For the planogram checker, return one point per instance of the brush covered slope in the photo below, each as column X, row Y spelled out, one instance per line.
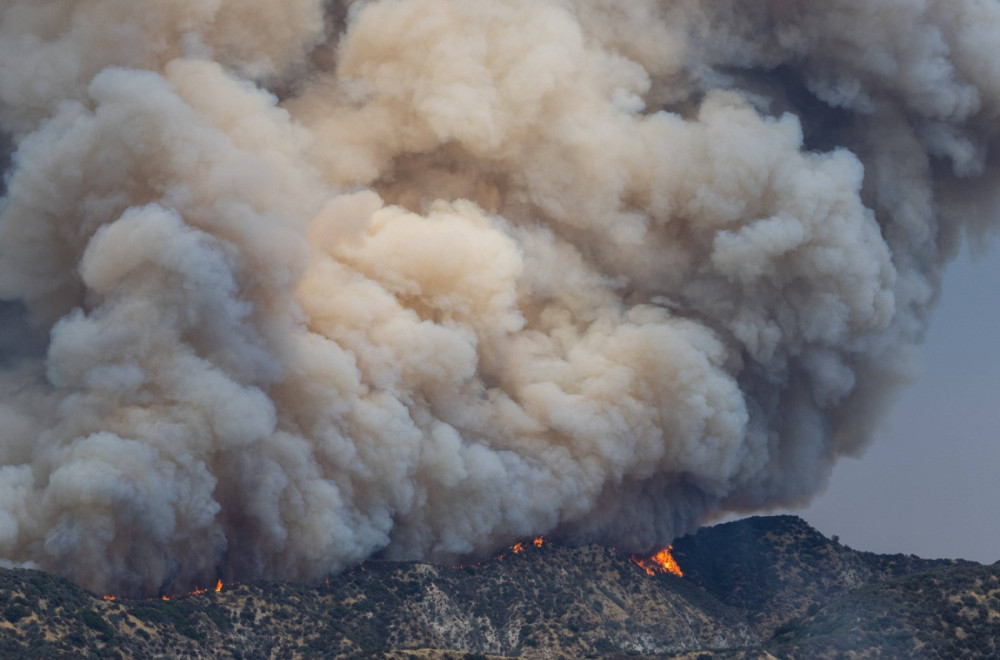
column 776, row 568
column 756, row 588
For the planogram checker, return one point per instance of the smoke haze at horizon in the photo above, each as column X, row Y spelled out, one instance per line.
column 289, row 284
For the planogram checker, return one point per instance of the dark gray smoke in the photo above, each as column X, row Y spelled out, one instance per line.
column 288, row 283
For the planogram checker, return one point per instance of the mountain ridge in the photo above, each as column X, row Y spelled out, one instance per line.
column 763, row 587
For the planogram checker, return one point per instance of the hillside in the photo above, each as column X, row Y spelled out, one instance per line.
column 757, row 588
column 775, row 568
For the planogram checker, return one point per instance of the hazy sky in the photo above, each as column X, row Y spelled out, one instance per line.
column 930, row 485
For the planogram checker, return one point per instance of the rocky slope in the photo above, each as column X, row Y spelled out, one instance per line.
column 757, row 588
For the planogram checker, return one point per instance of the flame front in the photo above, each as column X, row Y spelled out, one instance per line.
column 197, row 592
column 661, row 562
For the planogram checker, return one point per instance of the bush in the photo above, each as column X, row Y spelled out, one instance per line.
column 604, row 646
column 94, row 620
column 15, row 613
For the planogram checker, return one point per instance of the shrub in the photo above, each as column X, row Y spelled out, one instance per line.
column 15, row 613
column 94, row 620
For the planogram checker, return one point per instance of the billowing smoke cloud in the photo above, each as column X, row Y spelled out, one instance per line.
column 289, row 283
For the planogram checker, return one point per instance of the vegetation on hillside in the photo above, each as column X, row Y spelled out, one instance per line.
column 757, row 588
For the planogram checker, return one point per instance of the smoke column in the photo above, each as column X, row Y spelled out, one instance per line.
column 290, row 283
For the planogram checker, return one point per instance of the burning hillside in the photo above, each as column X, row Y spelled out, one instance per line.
column 659, row 563
column 287, row 284
column 786, row 591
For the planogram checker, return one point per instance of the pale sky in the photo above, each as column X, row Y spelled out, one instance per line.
column 930, row 485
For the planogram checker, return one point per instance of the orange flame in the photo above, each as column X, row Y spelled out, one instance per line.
column 164, row 598
column 516, row 549
column 661, row 562
column 218, row 586
column 109, row 597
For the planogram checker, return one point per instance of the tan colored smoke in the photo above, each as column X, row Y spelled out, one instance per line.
column 292, row 283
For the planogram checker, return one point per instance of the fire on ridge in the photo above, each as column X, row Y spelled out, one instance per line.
column 196, row 592
column 659, row 563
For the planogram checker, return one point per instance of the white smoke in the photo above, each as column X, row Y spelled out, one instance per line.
column 289, row 283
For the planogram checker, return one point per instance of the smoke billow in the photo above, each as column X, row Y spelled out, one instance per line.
column 288, row 283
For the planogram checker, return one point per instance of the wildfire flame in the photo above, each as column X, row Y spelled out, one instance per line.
column 516, row 549
column 661, row 562
column 197, row 591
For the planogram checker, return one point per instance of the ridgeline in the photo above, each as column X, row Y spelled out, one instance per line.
column 766, row 587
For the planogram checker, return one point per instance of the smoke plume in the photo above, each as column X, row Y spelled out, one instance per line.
column 292, row 283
